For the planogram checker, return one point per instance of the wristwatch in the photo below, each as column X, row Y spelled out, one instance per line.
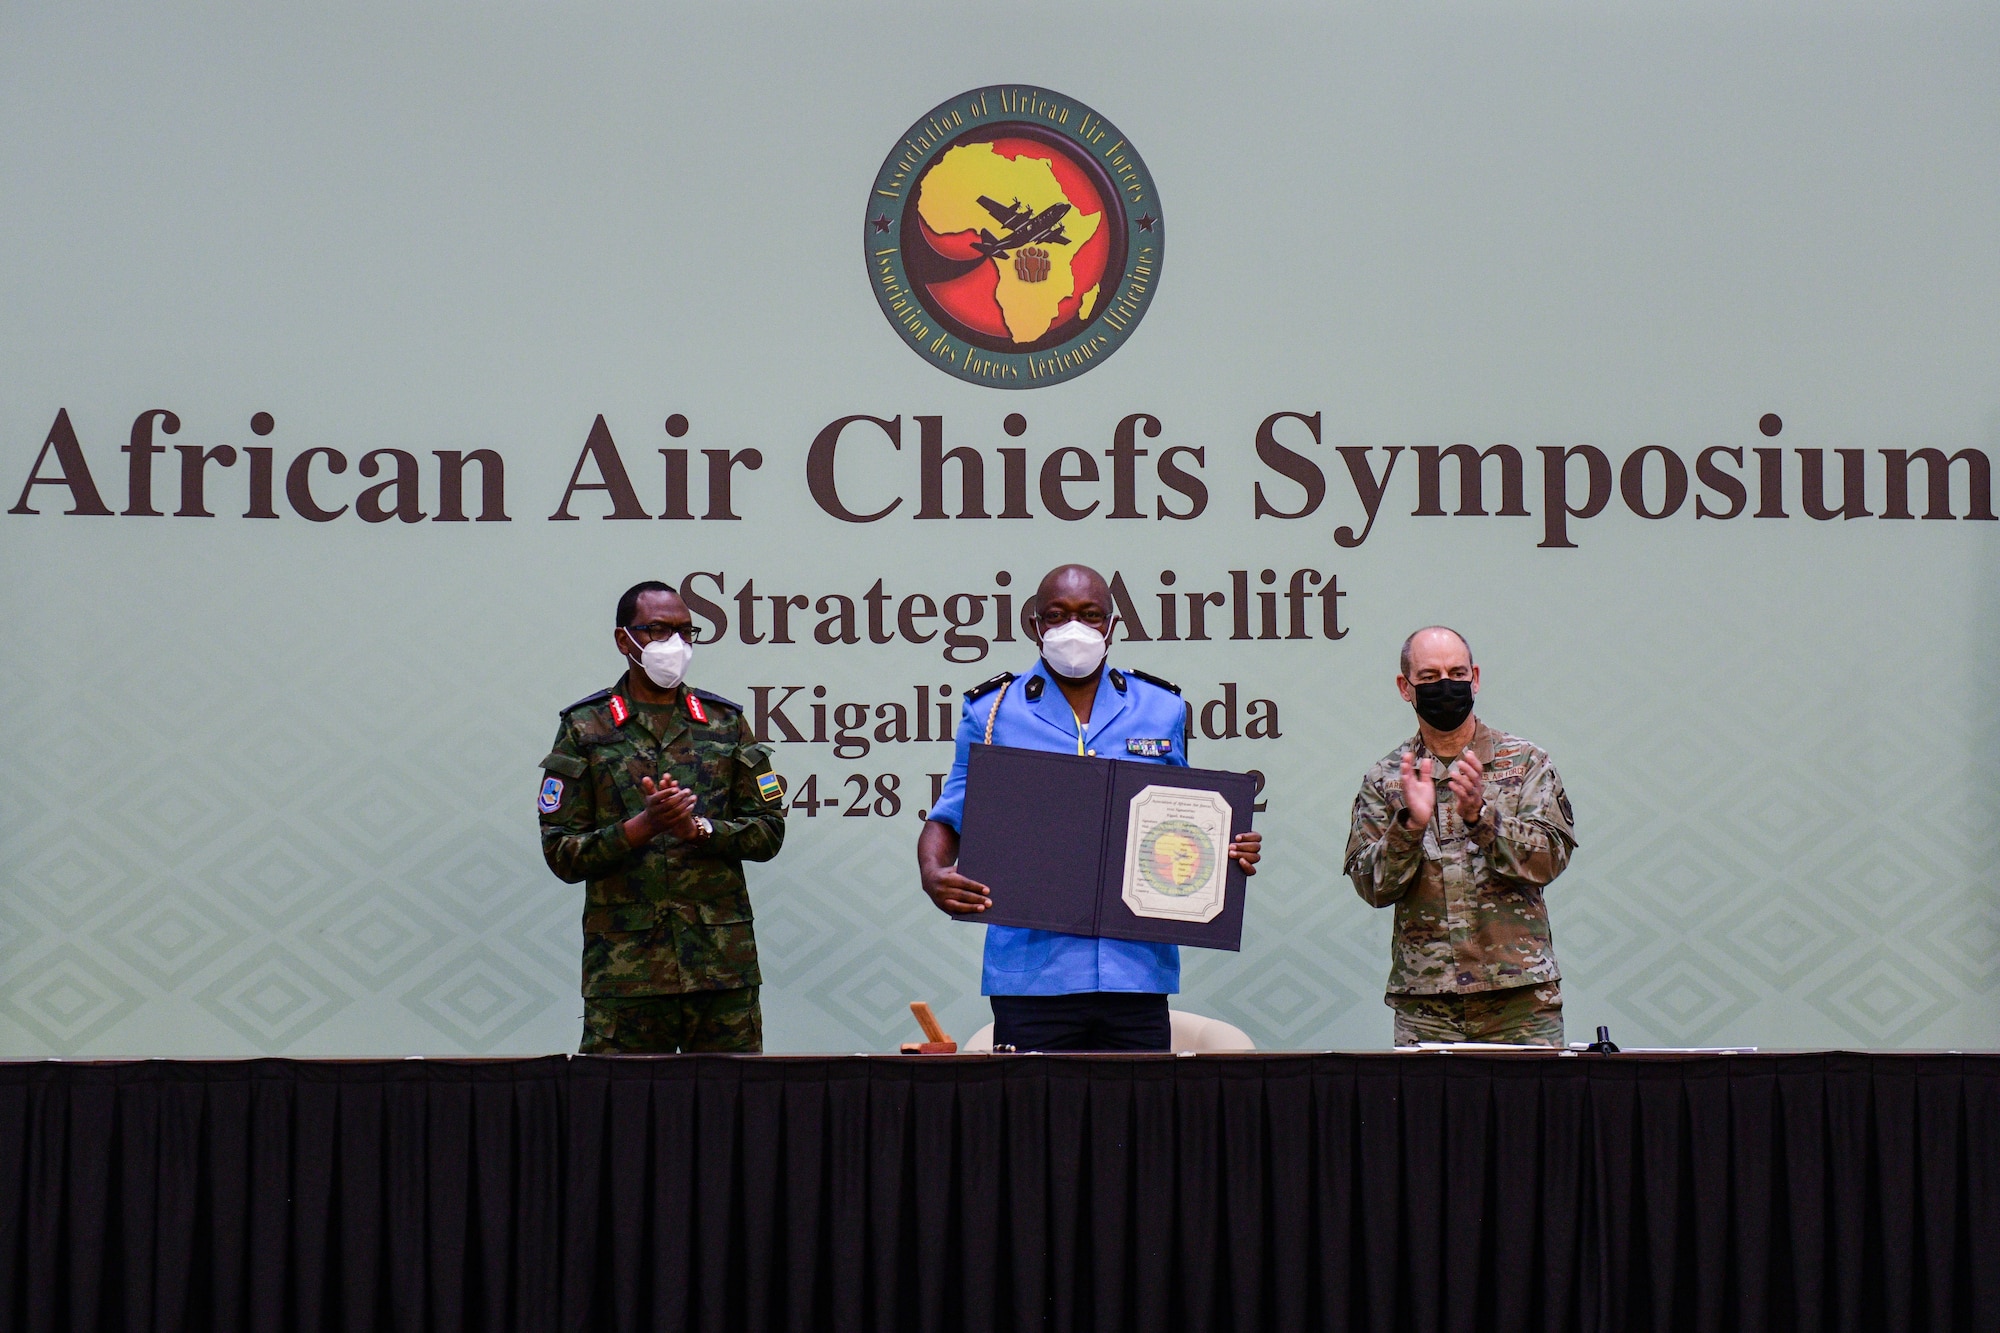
column 703, row 829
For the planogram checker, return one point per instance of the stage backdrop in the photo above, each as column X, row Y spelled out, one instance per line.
column 355, row 360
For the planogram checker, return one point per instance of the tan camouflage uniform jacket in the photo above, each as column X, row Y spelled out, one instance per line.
column 667, row 917
column 1469, row 909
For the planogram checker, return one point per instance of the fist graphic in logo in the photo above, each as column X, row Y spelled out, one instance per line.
column 1032, row 264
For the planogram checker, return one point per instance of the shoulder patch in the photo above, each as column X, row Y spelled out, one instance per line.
column 588, row 700
column 551, row 797
column 715, row 698
column 770, row 787
column 1153, row 680
column 988, row 686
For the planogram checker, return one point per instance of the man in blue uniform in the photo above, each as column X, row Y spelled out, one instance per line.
column 1055, row 992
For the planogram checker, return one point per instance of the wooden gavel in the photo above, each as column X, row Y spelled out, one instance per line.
column 936, row 1040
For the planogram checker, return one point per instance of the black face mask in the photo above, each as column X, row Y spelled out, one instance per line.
column 1443, row 703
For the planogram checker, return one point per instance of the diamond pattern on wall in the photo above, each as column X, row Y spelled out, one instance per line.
column 1966, row 939
column 478, row 997
column 471, row 876
column 1683, row 1000
column 1286, row 992
column 280, row 878
column 1781, row 942
column 273, row 999
column 70, row 880
column 372, row 937
column 171, row 938
column 874, row 998
column 65, row 998
column 1883, row 1002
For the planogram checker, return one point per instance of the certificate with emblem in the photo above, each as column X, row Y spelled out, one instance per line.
column 1106, row 847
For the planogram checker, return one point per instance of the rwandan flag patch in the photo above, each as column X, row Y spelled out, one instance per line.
column 769, row 787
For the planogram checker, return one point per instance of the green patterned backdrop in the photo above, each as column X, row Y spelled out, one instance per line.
column 270, row 784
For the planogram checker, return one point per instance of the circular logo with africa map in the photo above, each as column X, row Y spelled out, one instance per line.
column 1176, row 857
column 1013, row 237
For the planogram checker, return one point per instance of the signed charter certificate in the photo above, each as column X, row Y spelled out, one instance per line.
column 1176, row 845
column 1108, row 847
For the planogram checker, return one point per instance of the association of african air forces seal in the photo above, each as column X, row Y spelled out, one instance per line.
column 1013, row 237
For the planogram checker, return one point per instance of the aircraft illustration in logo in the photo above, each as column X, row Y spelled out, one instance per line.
column 1024, row 227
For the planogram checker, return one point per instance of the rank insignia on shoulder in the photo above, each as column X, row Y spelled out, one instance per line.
column 1153, row 680
column 770, row 787
column 695, row 710
column 620, row 710
column 551, row 797
column 987, row 686
column 1149, row 748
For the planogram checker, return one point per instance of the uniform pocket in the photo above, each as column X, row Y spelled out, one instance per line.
column 566, row 764
column 723, row 911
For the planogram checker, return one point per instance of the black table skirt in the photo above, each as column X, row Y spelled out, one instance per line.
column 1378, row 1192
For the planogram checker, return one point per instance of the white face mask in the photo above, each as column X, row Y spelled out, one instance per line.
column 665, row 661
column 1073, row 649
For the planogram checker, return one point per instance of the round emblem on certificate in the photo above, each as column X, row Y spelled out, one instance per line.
column 1176, row 857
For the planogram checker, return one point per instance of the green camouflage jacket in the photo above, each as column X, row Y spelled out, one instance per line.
column 669, row 916
column 1469, row 909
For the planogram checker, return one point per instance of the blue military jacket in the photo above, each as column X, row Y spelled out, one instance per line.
column 1142, row 722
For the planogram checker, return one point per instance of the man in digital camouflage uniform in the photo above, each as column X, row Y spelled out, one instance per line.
column 654, row 795
column 1462, row 827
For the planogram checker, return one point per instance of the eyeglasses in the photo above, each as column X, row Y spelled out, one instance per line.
column 654, row 631
column 1054, row 616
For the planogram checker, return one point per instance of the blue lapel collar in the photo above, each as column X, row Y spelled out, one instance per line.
column 1108, row 705
column 1053, row 710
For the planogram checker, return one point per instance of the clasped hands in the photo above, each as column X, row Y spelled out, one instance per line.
column 956, row 894
column 1468, row 788
column 669, row 809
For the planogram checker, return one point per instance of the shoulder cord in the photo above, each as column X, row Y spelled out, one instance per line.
column 995, row 712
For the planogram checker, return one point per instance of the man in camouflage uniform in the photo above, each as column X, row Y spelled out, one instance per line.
column 1464, row 863
column 654, row 795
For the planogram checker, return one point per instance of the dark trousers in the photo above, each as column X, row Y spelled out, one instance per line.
column 1093, row 1021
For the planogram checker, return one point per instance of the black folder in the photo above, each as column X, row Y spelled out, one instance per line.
column 1046, row 833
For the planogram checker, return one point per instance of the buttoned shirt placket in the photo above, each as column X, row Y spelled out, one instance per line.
column 1460, row 886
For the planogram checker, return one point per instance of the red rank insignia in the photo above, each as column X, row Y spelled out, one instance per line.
column 695, row 710
column 619, row 711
